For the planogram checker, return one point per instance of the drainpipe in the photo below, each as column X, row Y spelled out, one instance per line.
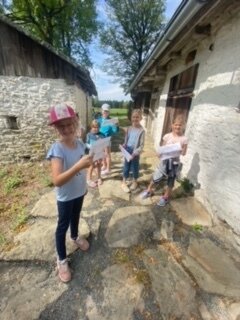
column 184, row 13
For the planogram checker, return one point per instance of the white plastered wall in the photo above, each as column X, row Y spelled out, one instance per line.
column 213, row 159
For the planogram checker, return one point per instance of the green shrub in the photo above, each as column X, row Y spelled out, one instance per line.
column 186, row 185
column 11, row 183
column 197, row 227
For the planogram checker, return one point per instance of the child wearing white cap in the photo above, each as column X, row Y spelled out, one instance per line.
column 107, row 130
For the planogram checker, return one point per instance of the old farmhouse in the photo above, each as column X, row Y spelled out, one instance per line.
column 194, row 70
column 32, row 78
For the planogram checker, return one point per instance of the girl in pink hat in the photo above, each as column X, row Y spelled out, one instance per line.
column 68, row 168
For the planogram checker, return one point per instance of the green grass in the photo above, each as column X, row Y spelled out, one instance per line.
column 197, row 227
column 12, row 183
column 116, row 112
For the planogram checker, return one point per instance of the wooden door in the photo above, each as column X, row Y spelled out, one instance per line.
column 179, row 97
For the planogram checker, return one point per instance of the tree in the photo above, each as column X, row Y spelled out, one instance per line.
column 68, row 25
column 129, row 35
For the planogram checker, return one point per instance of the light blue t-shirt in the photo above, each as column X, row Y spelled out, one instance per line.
column 76, row 186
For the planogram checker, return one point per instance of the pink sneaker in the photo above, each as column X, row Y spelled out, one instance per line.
column 105, row 172
column 64, row 272
column 82, row 243
column 91, row 184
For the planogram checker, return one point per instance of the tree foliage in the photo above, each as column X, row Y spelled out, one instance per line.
column 68, row 25
column 129, row 36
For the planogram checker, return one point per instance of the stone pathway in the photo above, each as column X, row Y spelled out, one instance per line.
column 144, row 263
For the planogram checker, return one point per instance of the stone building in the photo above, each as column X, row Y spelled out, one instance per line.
column 32, row 78
column 194, row 70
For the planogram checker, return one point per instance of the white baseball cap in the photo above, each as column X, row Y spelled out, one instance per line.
column 105, row 107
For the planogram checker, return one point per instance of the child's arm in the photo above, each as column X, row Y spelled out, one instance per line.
column 88, row 141
column 60, row 177
column 138, row 150
column 125, row 138
column 184, row 149
column 161, row 143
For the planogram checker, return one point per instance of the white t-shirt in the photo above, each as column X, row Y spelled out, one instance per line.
column 170, row 138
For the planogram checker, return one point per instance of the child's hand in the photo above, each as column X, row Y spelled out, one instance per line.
column 85, row 162
column 134, row 155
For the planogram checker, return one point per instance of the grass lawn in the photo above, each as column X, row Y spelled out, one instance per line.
column 116, row 112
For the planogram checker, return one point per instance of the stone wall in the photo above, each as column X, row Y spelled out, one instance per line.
column 24, row 104
column 213, row 161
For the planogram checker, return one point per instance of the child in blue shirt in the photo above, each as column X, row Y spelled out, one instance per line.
column 92, row 137
column 68, row 164
column 107, row 130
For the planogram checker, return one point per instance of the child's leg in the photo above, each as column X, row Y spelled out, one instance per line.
column 89, row 174
column 135, row 171
column 75, row 216
column 63, row 223
column 108, row 159
column 104, row 164
column 159, row 173
column 168, row 192
column 126, row 169
column 99, row 165
column 74, row 222
column 170, row 181
column 150, row 186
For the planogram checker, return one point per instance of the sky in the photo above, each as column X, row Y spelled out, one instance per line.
column 107, row 87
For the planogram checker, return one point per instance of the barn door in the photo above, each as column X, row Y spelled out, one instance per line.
column 179, row 96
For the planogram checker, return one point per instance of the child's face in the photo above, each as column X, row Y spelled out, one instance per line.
column 136, row 118
column 105, row 113
column 66, row 128
column 177, row 128
column 95, row 129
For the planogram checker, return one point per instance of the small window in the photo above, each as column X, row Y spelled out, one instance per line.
column 191, row 56
column 12, row 122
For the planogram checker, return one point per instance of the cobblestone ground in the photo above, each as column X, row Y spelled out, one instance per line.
column 144, row 262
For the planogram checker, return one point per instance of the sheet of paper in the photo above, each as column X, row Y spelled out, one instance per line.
column 109, row 122
column 97, row 148
column 126, row 154
column 170, row 151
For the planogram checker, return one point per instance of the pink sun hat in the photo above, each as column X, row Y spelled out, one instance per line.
column 59, row 112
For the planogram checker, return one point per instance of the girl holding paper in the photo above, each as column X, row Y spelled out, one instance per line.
column 133, row 145
column 169, row 160
column 68, row 171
